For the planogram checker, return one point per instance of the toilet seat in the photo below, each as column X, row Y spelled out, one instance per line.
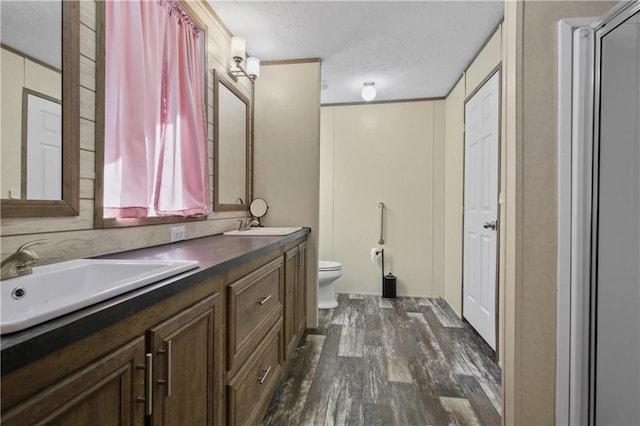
column 326, row 265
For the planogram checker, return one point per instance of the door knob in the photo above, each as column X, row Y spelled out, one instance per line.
column 493, row 224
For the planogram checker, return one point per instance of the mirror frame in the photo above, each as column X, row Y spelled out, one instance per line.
column 69, row 205
column 218, row 79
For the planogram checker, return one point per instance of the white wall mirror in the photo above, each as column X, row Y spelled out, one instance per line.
column 40, row 108
column 232, row 143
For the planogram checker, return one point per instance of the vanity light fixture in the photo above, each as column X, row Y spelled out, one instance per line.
column 368, row 91
column 238, row 53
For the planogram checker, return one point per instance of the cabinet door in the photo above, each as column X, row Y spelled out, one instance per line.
column 290, row 281
column 187, row 366
column 301, row 291
column 105, row 392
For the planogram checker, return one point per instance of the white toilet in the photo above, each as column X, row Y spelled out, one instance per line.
column 328, row 273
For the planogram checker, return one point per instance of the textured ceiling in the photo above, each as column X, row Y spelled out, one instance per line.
column 410, row 49
column 33, row 27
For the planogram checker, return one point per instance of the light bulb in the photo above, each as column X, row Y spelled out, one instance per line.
column 368, row 91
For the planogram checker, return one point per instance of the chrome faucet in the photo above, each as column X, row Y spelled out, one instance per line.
column 20, row 262
column 251, row 222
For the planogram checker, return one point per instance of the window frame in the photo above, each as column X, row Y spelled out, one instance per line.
column 108, row 222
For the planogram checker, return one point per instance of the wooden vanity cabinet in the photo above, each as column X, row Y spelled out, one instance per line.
column 210, row 354
column 104, row 378
column 262, row 337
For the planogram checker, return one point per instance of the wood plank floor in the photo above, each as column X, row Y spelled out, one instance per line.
column 404, row 361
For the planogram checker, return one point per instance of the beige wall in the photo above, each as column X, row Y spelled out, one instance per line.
column 488, row 58
column 325, row 239
column 530, row 68
column 394, row 153
column 16, row 73
column 287, row 154
column 453, row 200
column 74, row 237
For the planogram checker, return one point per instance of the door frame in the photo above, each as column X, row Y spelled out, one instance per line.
column 573, row 125
column 497, row 69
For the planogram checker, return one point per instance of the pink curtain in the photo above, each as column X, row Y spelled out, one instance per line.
column 155, row 122
column 183, row 165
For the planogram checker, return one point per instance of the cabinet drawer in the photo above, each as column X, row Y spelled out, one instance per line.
column 255, row 304
column 251, row 388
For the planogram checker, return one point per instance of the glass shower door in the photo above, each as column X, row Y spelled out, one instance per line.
column 615, row 366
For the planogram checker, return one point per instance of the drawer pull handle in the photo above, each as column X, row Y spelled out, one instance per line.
column 169, row 363
column 264, row 300
column 264, row 376
column 302, row 257
column 148, row 391
column 167, row 368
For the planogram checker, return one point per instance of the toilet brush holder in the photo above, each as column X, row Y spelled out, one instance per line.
column 388, row 281
column 389, row 286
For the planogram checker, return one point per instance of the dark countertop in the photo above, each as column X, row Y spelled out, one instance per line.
column 216, row 254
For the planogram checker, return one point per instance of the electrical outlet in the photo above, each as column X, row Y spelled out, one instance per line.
column 177, row 233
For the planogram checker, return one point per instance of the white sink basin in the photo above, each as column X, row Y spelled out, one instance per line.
column 266, row 231
column 60, row 288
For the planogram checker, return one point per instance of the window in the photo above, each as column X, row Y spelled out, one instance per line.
column 155, row 133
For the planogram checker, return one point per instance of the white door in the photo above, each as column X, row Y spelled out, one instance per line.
column 482, row 126
column 44, row 149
